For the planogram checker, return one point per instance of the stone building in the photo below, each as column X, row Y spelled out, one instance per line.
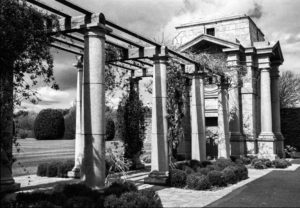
column 253, row 101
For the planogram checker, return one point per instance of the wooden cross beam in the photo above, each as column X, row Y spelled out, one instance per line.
column 70, row 50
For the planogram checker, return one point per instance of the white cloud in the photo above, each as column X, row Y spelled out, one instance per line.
column 50, row 95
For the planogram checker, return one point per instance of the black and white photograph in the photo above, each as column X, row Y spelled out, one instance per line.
column 139, row 103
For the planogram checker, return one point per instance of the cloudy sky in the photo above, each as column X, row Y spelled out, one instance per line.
column 156, row 19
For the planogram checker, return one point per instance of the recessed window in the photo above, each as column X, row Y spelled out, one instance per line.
column 210, row 31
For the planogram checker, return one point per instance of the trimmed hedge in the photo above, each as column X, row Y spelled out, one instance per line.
column 177, row 178
column 229, row 176
column 281, row 163
column 119, row 187
column 49, row 124
column 197, row 181
column 216, row 178
column 55, row 168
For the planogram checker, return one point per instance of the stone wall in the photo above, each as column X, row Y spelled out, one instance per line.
column 228, row 30
column 290, row 126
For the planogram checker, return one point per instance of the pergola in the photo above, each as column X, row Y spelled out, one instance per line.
column 87, row 36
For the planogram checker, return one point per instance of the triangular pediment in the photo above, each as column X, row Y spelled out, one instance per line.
column 204, row 40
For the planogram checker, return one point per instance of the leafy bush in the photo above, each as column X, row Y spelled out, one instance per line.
column 132, row 199
column 23, row 134
column 177, row 178
column 188, row 170
column 245, row 160
column 78, row 189
column 70, row 124
column 49, row 124
column 240, row 171
column 203, row 171
column 258, row 164
column 280, row 163
column 222, row 163
column 42, row 169
column 110, row 129
column 216, row 178
column 267, row 163
column 194, row 164
column 79, row 201
column 64, row 168
column 229, row 176
column 197, row 181
column 119, row 187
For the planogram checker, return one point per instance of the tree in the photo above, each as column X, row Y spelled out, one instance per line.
column 24, row 58
column 289, row 90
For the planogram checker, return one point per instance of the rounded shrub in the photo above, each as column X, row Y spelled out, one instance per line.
column 188, row 170
column 177, row 178
column 110, row 129
column 240, row 171
column 197, row 181
column 280, row 163
column 229, row 176
column 222, row 163
column 119, row 187
column 79, row 189
column 194, row 164
column 267, row 163
column 216, row 178
column 49, row 124
column 258, row 164
column 203, row 171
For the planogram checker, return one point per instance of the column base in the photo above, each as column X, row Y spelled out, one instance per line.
column 74, row 173
column 267, row 146
column 238, row 144
column 251, row 146
column 157, row 178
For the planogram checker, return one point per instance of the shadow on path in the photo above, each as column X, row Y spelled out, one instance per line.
column 276, row 189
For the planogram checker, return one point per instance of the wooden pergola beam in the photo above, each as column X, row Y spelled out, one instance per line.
column 124, row 67
column 70, row 50
column 48, row 8
column 132, row 64
column 67, row 42
column 125, row 40
column 75, row 7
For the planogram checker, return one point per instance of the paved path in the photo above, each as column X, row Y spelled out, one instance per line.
column 275, row 189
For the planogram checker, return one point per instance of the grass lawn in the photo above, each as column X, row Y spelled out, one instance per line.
column 32, row 152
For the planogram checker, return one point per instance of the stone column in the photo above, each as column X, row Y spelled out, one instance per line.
column 223, row 125
column 159, row 152
column 276, row 121
column 79, row 139
column 159, row 143
column 93, row 166
column 237, row 140
column 266, row 140
column 249, row 103
column 198, row 118
column 184, row 148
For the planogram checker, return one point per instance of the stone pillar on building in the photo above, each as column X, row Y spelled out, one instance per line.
column 198, row 117
column 276, row 121
column 93, row 164
column 249, row 101
column 184, row 148
column 266, row 139
column 223, row 125
column 79, row 142
column 159, row 143
column 237, row 139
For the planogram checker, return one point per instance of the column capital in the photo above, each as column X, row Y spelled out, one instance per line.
column 160, row 59
column 98, row 30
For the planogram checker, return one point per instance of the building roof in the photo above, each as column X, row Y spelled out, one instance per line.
column 210, row 39
column 216, row 20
